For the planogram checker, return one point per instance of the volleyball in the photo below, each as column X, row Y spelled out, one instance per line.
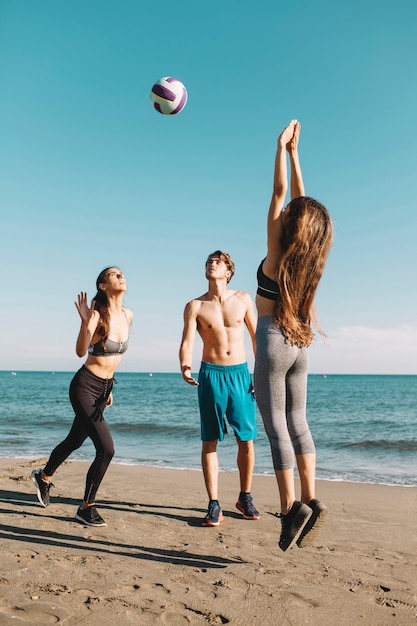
column 168, row 96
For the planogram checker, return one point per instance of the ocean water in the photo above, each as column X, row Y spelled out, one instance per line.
column 364, row 427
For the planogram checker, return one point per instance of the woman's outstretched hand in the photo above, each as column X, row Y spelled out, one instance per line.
column 85, row 312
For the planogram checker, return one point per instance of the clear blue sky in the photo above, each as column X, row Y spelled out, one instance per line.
column 91, row 175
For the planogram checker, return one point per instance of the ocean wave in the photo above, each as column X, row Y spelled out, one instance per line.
column 383, row 444
column 164, row 430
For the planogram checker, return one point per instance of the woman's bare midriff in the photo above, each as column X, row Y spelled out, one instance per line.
column 264, row 306
column 103, row 367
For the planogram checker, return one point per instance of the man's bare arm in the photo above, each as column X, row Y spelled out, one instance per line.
column 250, row 320
column 187, row 342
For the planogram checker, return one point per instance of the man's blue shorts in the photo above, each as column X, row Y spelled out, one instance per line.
column 226, row 391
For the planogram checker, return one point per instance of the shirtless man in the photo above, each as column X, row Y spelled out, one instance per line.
column 225, row 386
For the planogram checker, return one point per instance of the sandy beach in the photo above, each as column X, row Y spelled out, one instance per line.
column 155, row 564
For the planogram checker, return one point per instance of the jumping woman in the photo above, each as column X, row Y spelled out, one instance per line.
column 299, row 238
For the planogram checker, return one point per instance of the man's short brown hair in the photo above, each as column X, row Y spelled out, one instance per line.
column 226, row 258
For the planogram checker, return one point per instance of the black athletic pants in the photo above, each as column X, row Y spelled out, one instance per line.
column 88, row 395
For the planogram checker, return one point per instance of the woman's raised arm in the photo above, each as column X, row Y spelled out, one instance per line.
column 296, row 184
column 274, row 223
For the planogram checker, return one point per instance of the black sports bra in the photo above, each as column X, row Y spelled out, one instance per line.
column 110, row 348
column 267, row 288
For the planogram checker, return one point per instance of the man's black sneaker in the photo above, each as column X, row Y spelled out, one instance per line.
column 214, row 514
column 90, row 517
column 42, row 488
column 293, row 523
column 314, row 524
column 246, row 507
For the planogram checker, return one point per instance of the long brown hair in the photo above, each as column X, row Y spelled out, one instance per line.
column 306, row 241
column 102, row 306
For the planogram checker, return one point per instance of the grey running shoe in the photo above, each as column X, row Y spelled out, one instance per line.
column 314, row 524
column 214, row 514
column 89, row 516
column 42, row 487
column 293, row 523
column 246, row 506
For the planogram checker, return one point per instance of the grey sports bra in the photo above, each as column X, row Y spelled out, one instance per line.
column 110, row 348
column 267, row 288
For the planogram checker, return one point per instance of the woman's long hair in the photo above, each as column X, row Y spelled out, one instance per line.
column 306, row 241
column 101, row 305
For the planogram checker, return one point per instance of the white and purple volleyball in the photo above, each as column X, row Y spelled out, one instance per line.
column 168, row 96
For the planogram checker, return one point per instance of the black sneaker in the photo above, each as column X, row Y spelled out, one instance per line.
column 42, row 487
column 214, row 514
column 89, row 516
column 293, row 523
column 246, row 506
column 314, row 524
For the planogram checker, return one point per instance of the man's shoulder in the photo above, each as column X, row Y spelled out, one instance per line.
column 196, row 303
column 242, row 295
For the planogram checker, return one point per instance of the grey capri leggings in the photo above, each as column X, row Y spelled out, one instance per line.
column 281, row 393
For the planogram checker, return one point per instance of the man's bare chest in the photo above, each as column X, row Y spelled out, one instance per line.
column 220, row 316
